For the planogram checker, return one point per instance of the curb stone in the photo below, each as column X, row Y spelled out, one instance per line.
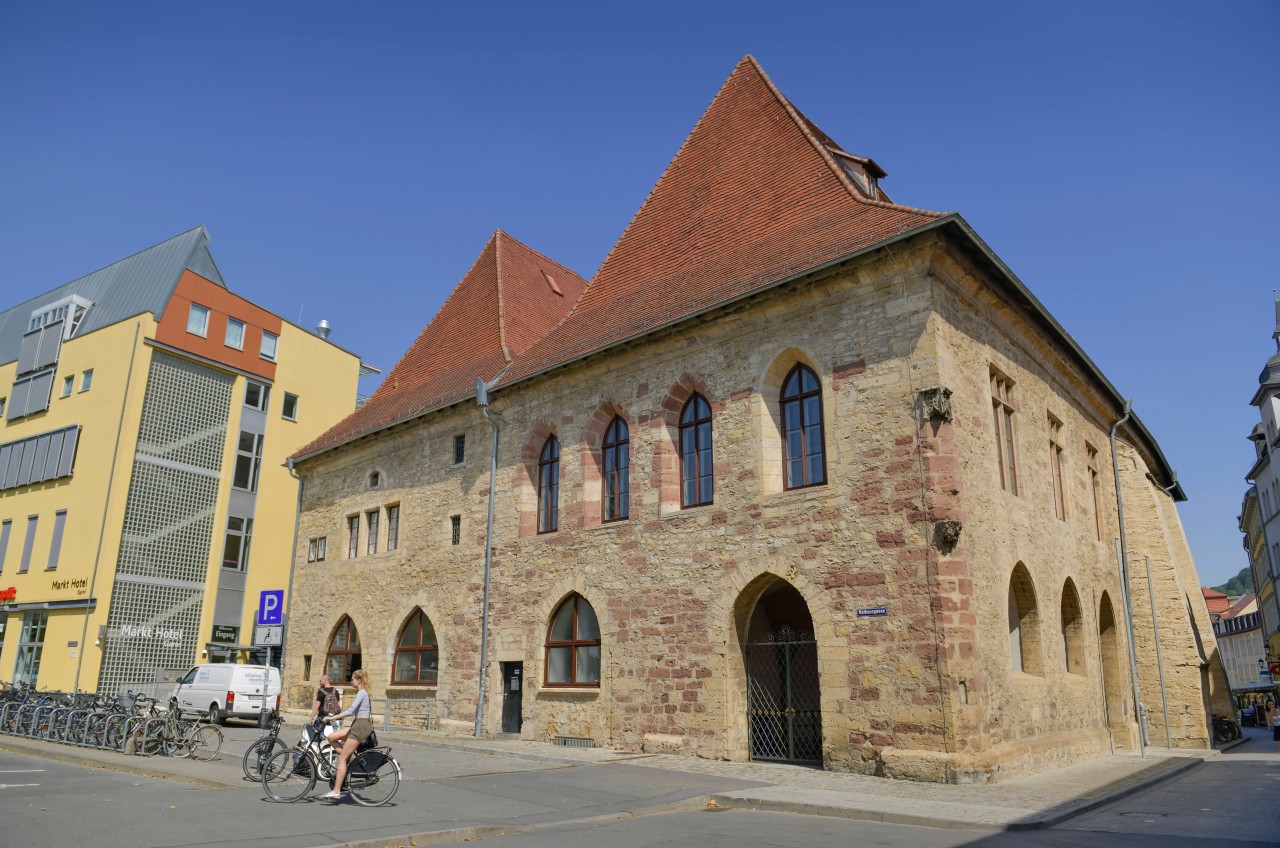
column 1036, row 821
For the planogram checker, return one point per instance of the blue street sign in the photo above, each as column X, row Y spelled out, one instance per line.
column 271, row 607
column 868, row 611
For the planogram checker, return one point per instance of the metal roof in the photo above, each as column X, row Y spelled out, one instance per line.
column 143, row 282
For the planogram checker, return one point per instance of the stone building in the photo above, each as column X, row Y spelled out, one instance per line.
column 800, row 474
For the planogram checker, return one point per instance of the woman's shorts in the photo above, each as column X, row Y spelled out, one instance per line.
column 1275, row 733
column 360, row 729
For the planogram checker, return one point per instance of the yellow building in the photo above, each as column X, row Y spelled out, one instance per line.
column 144, row 500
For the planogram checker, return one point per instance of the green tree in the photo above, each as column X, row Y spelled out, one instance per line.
column 1241, row 584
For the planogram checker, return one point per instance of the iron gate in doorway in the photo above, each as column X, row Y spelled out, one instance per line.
column 784, row 711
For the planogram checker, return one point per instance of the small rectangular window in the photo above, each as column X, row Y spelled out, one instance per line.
column 459, row 448
column 198, row 320
column 311, row 550
column 68, row 382
column 256, row 395
column 248, row 461
column 393, row 527
column 55, row 544
column 5, row 527
column 235, row 334
column 322, row 545
column 3, row 400
column 235, row 551
column 1092, row 454
column 1002, row 408
column 1055, row 468
column 353, row 536
column 306, row 666
column 28, row 543
column 371, row 517
column 268, row 349
column 289, row 409
column 455, row 524
column 86, row 380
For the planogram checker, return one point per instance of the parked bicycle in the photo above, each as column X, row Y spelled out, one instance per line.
column 263, row 749
column 373, row 775
column 1225, row 730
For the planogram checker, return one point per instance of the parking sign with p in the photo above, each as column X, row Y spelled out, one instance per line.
column 271, row 607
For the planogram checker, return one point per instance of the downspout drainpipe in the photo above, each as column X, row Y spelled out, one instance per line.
column 293, row 562
column 1155, row 627
column 482, row 399
column 1124, row 582
column 102, row 528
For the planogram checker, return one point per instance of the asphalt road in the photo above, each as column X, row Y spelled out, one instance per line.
column 519, row 803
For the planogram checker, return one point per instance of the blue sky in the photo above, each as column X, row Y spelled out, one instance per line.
column 350, row 160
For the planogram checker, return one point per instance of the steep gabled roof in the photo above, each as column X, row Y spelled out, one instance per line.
column 753, row 195
column 143, row 282
column 511, row 296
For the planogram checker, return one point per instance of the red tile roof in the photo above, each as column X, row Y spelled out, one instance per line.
column 1241, row 603
column 752, row 196
column 501, row 306
column 1217, row 602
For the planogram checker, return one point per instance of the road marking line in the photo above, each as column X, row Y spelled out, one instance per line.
column 16, row 785
column 20, row 771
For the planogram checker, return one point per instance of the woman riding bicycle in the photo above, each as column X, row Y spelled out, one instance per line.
column 351, row 737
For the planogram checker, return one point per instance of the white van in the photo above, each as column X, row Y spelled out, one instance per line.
column 226, row 690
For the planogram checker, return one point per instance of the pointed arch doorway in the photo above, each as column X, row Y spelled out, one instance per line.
column 780, row 654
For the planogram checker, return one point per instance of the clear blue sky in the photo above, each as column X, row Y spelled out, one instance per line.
column 350, row 160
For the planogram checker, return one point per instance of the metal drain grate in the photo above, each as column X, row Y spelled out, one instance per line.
column 575, row 742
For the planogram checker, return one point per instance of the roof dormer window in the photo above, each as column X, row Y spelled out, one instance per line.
column 864, row 172
column 70, row 310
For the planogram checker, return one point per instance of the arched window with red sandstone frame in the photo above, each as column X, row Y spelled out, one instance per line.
column 615, row 467
column 804, row 460
column 549, row 486
column 697, row 482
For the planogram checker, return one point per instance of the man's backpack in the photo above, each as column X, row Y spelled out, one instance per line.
column 331, row 706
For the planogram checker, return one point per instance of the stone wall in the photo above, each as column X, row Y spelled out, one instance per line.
column 912, row 518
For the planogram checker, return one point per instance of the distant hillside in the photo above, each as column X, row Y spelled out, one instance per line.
column 1241, row 584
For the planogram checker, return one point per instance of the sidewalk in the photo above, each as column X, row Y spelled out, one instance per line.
column 1037, row 801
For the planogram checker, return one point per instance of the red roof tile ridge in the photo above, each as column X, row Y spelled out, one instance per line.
column 498, row 236
column 805, row 125
column 558, row 266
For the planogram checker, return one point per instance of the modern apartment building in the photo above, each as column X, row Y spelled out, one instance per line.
column 144, row 498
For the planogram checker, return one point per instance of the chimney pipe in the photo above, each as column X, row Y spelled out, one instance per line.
column 322, row 329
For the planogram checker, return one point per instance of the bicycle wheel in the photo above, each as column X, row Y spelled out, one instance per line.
column 288, row 775
column 205, row 742
column 373, row 778
column 258, row 754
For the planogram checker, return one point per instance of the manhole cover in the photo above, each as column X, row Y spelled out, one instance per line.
column 1146, row 815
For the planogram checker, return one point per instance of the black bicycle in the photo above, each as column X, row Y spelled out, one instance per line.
column 1225, row 730
column 263, row 749
column 373, row 775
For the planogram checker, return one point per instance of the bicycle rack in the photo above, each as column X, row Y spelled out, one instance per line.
column 57, row 729
column 26, row 715
column 74, row 724
column 131, row 725
column 152, row 727
column 8, row 717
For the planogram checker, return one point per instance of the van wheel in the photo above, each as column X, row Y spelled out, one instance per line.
column 214, row 715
